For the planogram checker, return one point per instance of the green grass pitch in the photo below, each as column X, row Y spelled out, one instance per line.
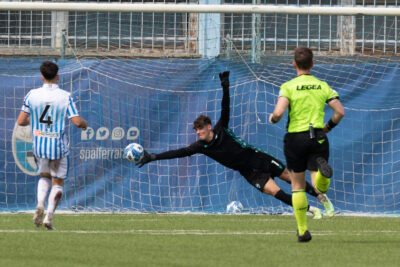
column 197, row 240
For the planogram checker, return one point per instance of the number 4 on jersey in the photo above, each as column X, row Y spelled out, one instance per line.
column 48, row 121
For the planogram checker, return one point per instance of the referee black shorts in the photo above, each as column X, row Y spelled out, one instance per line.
column 267, row 167
column 301, row 151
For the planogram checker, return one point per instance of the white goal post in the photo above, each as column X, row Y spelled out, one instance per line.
column 202, row 8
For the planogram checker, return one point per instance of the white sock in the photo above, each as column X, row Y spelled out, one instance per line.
column 54, row 198
column 42, row 190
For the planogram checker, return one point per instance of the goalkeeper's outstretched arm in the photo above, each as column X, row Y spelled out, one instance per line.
column 225, row 103
column 171, row 154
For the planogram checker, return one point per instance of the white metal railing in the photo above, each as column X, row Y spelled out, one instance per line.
column 38, row 25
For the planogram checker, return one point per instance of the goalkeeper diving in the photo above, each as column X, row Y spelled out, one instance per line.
column 255, row 165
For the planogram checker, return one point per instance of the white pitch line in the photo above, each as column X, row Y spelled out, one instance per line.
column 197, row 232
column 151, row 232
column 129, row 220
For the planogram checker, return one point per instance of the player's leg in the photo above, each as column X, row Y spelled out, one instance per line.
column 273, row 168
column 320, row 171
column 300, row 203
column 59, row 170
column 54, row 198
column 271, row 188
column 322, row 177
column 42, row 190
column 324, row 200
column 309, row 188
column 264, row 183
column 318, row 161
column 296, row 149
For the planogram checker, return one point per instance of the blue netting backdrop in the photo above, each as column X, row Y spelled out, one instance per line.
column 154, row 102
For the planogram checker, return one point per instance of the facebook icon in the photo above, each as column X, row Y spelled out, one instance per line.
column 88, row 134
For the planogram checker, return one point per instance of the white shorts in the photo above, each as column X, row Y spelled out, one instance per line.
column 57, row 168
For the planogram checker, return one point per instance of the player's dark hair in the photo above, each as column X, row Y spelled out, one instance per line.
column 201, row 121
column 49, row 70
column 303, row 56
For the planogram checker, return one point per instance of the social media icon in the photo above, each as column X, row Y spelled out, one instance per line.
column 87, row 134
column 117, row 133
column 102, row 133
column 132, row 134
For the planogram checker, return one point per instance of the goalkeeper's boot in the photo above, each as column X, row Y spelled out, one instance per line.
column 48, row 224
column 38, row 216
column 306, row 237
column 329, row 209
column 317, row 214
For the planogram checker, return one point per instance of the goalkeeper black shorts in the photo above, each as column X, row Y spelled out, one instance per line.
column 270, row 168
column 301, row 151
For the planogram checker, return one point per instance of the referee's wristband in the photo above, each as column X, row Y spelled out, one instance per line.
column 330, row 124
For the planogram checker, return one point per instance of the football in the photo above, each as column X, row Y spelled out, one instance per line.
column 134, row 152
column 234, row 207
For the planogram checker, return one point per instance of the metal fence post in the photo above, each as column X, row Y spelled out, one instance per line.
column 347, row 31
column 59, row 23
column 228, row 50
column 255, row 33
column 64, row 43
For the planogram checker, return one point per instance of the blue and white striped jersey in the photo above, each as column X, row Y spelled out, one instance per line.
column 48, row 107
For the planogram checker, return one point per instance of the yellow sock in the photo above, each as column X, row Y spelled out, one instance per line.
column 300, row 205
column 322, row 183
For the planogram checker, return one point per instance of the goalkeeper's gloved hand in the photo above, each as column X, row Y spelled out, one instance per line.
column 146, row 159
column 224, row 77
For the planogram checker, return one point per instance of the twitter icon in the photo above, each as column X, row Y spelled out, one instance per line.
column 102, row 133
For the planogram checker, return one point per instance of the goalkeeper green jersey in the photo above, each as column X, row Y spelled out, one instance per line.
column 307, row 97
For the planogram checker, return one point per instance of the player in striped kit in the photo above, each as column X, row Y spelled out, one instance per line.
column 45, row 109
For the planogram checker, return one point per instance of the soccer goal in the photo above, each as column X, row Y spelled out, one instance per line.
column 143, row 72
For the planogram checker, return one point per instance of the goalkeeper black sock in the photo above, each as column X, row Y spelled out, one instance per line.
column 286, row 198
column 310, row 190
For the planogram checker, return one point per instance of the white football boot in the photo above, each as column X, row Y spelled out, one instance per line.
column 48, row 224
column 38, row 217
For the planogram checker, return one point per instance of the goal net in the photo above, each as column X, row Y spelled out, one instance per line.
column 144, row 77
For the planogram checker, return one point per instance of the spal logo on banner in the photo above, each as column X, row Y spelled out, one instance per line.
column 25, row 160
column 22, row 149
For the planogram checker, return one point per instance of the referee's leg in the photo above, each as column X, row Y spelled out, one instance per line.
column 295, row 146
column 300, row 203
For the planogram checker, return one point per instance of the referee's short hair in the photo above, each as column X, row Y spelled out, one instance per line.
column 303, row 56
column 201, row 121
column 49, row 70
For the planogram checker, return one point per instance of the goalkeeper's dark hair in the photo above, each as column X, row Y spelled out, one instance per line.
column 303, row 57
column 49, row 70
column 201, row 121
